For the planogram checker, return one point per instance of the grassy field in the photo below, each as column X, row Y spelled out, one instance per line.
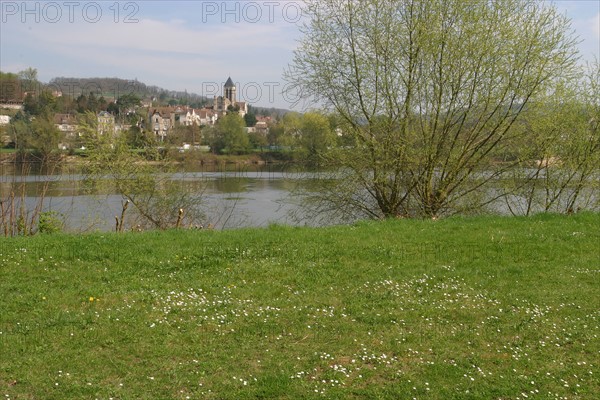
column 463, row 308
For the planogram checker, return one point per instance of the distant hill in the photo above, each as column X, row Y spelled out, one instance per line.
column 270, row 111
column 112, row 88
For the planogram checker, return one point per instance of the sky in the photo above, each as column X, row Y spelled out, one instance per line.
column 183, row 45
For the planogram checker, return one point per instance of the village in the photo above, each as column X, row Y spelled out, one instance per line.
column 161, row 122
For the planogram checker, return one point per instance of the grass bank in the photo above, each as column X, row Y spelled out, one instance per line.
column 478, row 308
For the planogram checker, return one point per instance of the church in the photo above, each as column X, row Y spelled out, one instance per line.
column 228, row 101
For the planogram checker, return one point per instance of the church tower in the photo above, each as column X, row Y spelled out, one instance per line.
column 230, row 91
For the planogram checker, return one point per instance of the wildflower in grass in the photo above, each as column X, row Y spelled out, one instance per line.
column 91, row 299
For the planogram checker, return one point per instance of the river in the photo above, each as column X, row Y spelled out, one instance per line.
column 233, row 195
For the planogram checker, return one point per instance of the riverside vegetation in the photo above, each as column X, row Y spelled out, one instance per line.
column 459, row 308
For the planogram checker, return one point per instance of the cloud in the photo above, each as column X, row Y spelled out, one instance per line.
column 595, row 25
column 174, row 39
column 589, row 30
column 171, row 37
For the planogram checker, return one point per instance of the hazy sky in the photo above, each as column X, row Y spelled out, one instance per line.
column 182, row 45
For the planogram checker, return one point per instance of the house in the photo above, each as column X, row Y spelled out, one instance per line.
column 243, row 108
column 207, row 116
column 66, row 123
column 161, row 121
column 176, row 113
column 190, row 116
column 262, row 124
column 4, row 120
column 106, row 123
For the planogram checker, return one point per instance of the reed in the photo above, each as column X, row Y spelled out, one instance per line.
column 20, row 213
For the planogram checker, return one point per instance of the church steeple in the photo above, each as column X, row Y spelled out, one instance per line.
column 230, row 90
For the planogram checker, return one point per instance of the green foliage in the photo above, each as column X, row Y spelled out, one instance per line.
column 559, row 150
column 229, row 135
column 233, row 109
column 315, row 137
column 90, row 103
column 156, row 198
column 136, row 138
column 29, row 81
column 276, row 134
column 39, row 137
column 50, row 222
column 462, row 308
column 42, row 103
column 291, row 123
column 10, row 87
column 250, row 119
column 184, row 134
column 258, row 140
column 128, row 101
column 112, row 108
column 427, row 91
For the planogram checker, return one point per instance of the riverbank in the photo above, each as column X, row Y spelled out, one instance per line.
column 470, row 308
column 203, row 158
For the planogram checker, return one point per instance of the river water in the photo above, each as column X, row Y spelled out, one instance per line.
column 233, row 195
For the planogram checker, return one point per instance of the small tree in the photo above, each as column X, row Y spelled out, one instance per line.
column 11, row 88
column 315, row 137
column 232, row 132
column 38, row 138
column 29, row 79
column 250, row 119
column 156, row 198
column 137, row 138
column 258, row 140
column 559, row 157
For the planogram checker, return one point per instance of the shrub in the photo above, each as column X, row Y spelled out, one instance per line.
column 50, row 222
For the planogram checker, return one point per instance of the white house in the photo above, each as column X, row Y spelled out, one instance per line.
column 106, row 123
column 199, row 117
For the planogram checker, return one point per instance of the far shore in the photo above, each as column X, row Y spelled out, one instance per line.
column 263, row 158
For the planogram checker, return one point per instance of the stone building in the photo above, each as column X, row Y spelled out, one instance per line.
column 222, row 104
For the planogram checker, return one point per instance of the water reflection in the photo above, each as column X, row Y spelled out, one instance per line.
column 235, row 195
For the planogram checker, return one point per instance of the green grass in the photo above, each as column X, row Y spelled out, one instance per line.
column 463, row 308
